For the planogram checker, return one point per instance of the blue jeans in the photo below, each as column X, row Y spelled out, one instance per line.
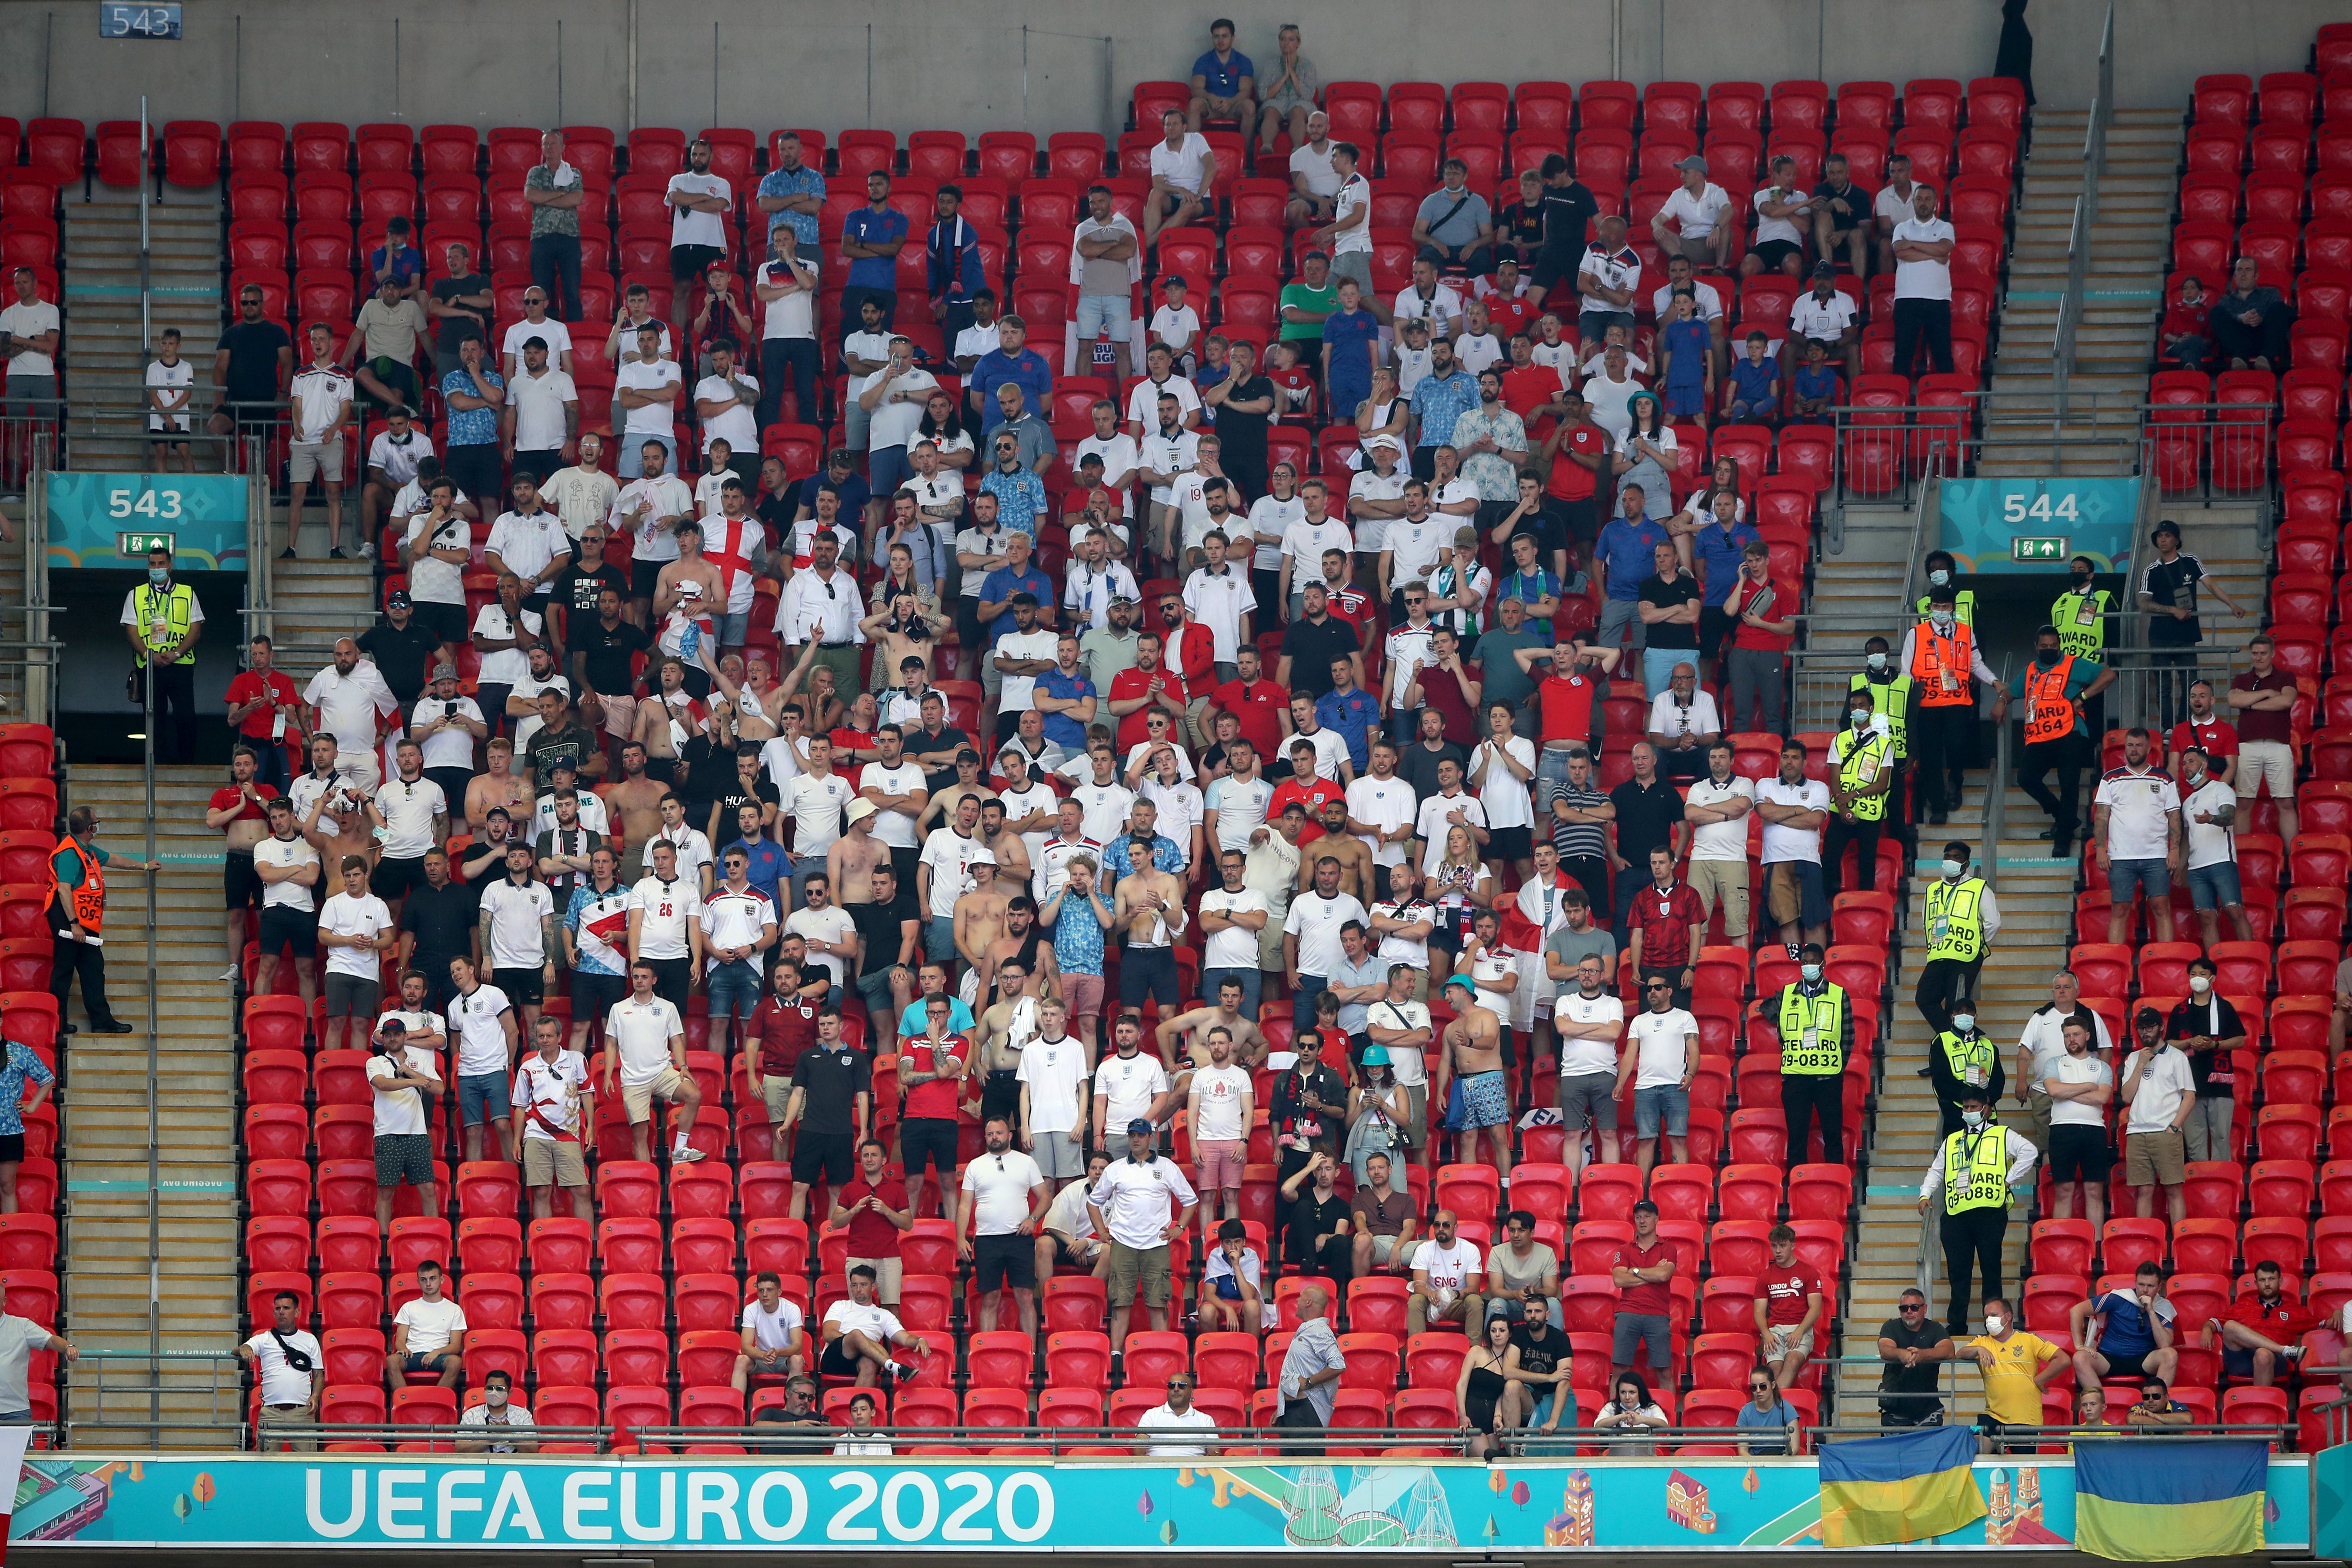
column 555, row 258
column 734, row 989
column 779, row 357
column 633, row 454
column 1302, row 1000
column 1658, row 665
column 1551, row 778
column 1253, row 984
column 803, row 868
column 938, row 938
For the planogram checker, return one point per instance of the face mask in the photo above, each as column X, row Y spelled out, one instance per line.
column 1938, row 579
column 1941, row 620
column 2081, row 582
column 2045, row 658
column 1878, row 663
column 1995, row 1324
column 1862, row 718
column 2200, row 984
column 157, row 576
column 493, row 1397
column 1952, row 869
column 1812, row 972
column 1972, row 1118
column 1964, row 1023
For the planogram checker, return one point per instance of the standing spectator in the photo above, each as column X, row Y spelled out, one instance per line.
column 1011, row 360
column 1606, row 278
column 952, row 265
column 1977, row 1169
column 77, row 893
column 541, row 421
column 1914, row 1348
column 1662, row 1052
column 1224, row 82
column 474, row 395
column 787, row 285
column 1183, row 173
column 1287, row 99
column 556, row 193
column 2208, row 1028
column 700, row 203
column 1004, row 1194
column 1648, row 815
column 355, row 927
column 1623, row 558
column 171, row 383
column 28, row 337
column 401, row 1077
column 263, row 707
column 553, row 1103
column 251, row 365
column 483, row 1019
column 644, row 1039
column 1129, row 1204
column 1105, row 263
column 2206, row 731
column 791, row 194
column 1642, row 1269
column 530, row 544
column 874, row 1210
column 1716, row 809
column 2136, row 817
column 1453, row 229
column 2075, row 1090
column 1762, row 613
column 290, row 1370
column 871, row 239
column 2017, row 1366
column 1704, row 228
column 462, row 305
column 646, row 385
column 2263, row 696
column 1303, row 1391
column 320, row 407
column 2249, row 325
column 1922, row 245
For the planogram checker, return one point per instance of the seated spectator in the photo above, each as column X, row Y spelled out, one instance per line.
column 1824, row 315
column 2181, row 341
column 2261, row 1332
column 1225, row 83
column 2249, row 325
column 497, row 1413
column 1766, row 1410
column 771, row 1335
column 862, row 1441
column 1179, row 1413
column 2157, row 1408
column 1288, row 98
column 425, row 1333
column 1183, row 171
column 1232, row 1298
column 1697, row 221
column 1813, row 389
column 2126, row 1333
column 798, row 1409
column 1842, row 218
column 1783, row 214
column 861, row 1338
column 1314, row 182
column 1752, row 395
column 1455, row 229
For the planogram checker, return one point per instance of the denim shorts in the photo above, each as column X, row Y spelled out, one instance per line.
column 938, row 938
column 2215, row 886
column 733, row 988
column 887, row 468
column 1664, row 1101
column 1100, row 313
column 482, row 1099
column 2126, row 879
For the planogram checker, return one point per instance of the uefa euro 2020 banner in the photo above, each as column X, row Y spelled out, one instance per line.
column 996, row 1504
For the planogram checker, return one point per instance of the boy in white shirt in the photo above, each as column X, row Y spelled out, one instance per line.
column 1176, row 324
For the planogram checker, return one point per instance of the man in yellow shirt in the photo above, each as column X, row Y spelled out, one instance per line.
column 2017, row 1366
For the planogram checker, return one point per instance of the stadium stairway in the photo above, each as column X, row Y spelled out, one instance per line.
column 2127, row 248
column 100, row 248
column 107, row 1284
column 315, row 601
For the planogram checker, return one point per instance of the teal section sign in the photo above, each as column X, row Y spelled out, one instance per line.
column 2036, row 526
column 95, row 518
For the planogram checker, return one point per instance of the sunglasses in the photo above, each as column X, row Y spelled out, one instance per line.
column 1657, row 988
column 1912, row 1306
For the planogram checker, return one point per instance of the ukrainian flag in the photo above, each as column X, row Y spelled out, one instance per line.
column 2163, row 1501
column 1911, row 1486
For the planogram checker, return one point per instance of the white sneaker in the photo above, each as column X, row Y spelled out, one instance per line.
column 685, row 1155
column 229, row 975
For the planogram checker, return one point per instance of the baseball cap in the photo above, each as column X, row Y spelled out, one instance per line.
column 1173, row 280
column 398, row 600
column 1692, row 161
column 1825, row 269
column 857, row 812
column 444, row 670
column 1643, row 1204
column 1466, row 539
column 1391, row 442
column 1140, row 1125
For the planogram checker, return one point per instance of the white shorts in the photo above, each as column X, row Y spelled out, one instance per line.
column 360, row 768
column 2265, row 759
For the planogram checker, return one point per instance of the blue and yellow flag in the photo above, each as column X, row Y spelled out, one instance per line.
column 1911, row 1485
column 2153, row 1501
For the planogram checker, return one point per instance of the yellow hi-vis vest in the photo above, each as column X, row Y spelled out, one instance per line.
column 176, row 608
column 1813, row 1032
column 1859, row 757
column 1954, row 930
column 1976, row 1169
column 2081, row 619
column 1970, row 1061
column 1893, row 699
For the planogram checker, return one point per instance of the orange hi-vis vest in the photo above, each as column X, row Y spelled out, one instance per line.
column 2049, row 715
column 89, row 898
column 1940, row 665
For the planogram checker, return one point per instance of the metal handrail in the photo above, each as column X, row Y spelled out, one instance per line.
column 1996, row 814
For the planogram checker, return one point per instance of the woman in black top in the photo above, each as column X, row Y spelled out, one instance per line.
column 1481, row 1388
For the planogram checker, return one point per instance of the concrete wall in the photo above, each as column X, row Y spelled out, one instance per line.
column 906, row 66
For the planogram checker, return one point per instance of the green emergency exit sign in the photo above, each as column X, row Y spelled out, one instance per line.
column 130, row 545
column 2034, row 551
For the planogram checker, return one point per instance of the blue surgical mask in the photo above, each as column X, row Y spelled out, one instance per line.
column 1953, row 868
column 1973, row 1118
column 157, row 576
column 1812, row 972
column 1964, row 1023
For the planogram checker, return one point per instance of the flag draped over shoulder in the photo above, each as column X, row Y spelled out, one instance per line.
column 2164, row 1501
column 1911, row 1486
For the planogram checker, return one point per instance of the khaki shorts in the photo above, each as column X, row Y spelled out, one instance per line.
column 547, row 1163
column 299, row 1415
column 1131, row 1268
column 1782, row 1341
column 1269, row 948
column 776, row 1093
column 1414, row 1128
column 1723, row 885
column 639, row 1099
column 2265, row 759
column 308, row 460
column 1382, row 1247
column 2155, row 1158
column 888, row 1273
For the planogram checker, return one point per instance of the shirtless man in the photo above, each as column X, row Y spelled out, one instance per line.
column 687, row 589
column 501, row 787
column 1023, row 942
column 1358, row 874
column 979, row 921
column 1471, row 1049
column 337, row 825
column 633, row 800
column 1003, row 1029
column 850, row 863
column 242, row 823
column 967, row 786
column 887, row 628
column 1012, row 854
column 753, row 695
column 1193, row 1027
column 664, row 725
column 1148, row 904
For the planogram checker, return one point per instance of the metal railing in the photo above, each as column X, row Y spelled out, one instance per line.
column 1996, row 812
column 101, row 1375
column 2086, row 214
